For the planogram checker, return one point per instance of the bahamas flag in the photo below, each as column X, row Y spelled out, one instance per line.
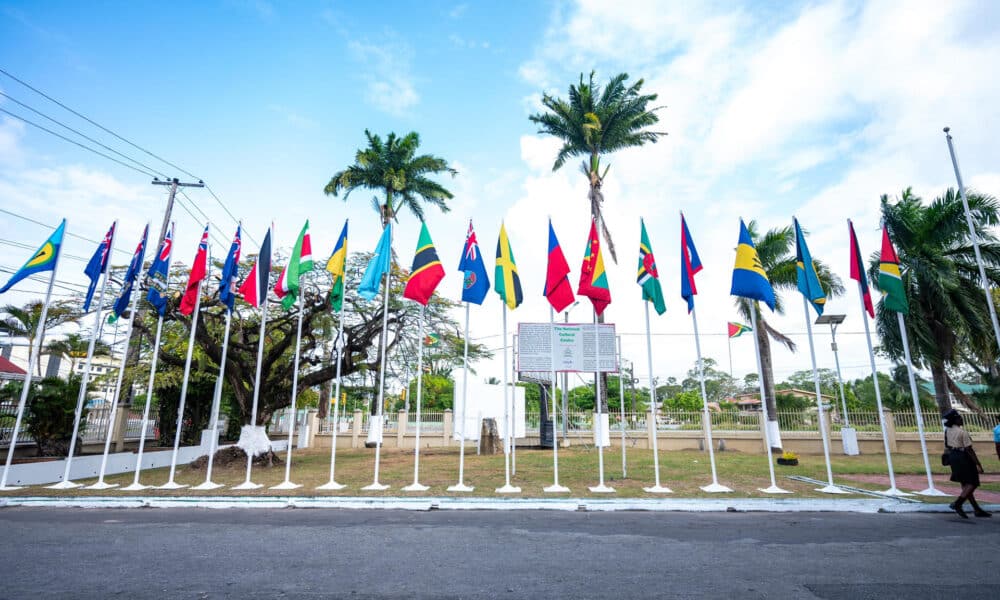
column 749, row 278
column 426, row 272
column 337, row 267
column 805, row 269
column 647, row 277
column 44, row 259
column 506, row 282
column 890, row 281
column 593, row 278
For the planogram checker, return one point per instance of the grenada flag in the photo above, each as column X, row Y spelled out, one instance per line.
column 593, row 278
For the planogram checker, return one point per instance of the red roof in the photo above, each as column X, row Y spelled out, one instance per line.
column 8, row 367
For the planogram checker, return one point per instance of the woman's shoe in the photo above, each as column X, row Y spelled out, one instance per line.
column 982, row 513
column 958, row 508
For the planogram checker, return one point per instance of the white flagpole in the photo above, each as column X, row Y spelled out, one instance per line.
column 247, row 484
column 32, row 361
column 216, row 405
column 774, row 489
column 931, row 490
column 657, row 488
column 829, row 488
column 507, row 421
column 729, row 345
column 714, row 487
column 416, row 486
column 66, row 483
column 460, row 486
column 600, row 487
column 287, row 483
column 621, row 399
column 555, row 487
column 375, row 485
column 513, row 414
column 136, row 486
column 975, row 239
column 339, row 346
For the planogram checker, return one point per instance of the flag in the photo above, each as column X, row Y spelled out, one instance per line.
column 44, row 259
column 337, row 266
column 159, row 273
column 593, row 278
column 231, row 271
column 738, row 329
column 647, row 276
column 98, row 265
column 199, row 269
column 287, row 287
column 858, row 271
column 805, row 269
column 890, row 281
column 475, row 281
column 121, row 303
column 506, row 282
column 432, row 339
column 558, row 290
column 258, row 281
column 749, row 278
column 378, row 266
column 690, row 265
column 427, row 270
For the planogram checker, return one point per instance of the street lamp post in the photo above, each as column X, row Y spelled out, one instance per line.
column 848, row 436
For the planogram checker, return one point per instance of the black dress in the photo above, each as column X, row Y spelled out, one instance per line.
column 963, row 469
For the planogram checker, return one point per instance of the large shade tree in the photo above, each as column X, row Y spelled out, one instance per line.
column 776, row 250
column 948, row 309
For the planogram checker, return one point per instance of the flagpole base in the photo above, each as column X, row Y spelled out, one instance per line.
column 208, row 485
column 331, row 485
column 898, row 493
column 832, row 489
column 658, row 489
column 101, row 485
column 932, row 492
column 508, row 489
column 248, row 485
column 135, row 487
column 11, row 488
column 460, row 487
column 375, row 487
column 171, row 485
column 285, row 485
column 555, row 488
column 64, row 485
column 773, row 490
column 601, row 489
column 416, row 486
column 716, row 488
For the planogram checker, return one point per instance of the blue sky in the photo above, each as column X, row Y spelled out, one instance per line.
column 812, row 109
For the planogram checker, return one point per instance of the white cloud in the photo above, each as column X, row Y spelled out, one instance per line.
column 293, row 117
column 11, row 133
column 390, row 82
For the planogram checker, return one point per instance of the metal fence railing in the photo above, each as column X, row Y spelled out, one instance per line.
column 93, row 428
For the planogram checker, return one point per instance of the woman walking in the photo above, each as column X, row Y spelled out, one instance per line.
column 965, row 465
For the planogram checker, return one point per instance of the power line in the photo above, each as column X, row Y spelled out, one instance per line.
column 46, row 225
column 29, row 247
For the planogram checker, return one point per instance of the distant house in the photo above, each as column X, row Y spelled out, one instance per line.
column 965, row 388
column 750, row 401
column 10, row 372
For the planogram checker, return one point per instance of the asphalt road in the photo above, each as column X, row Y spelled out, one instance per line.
column 296, row 553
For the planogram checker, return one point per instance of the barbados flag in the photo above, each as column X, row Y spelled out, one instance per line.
column 749, row 278
column 805, row 269
column 44, row 259
column 427, row 270
column 506, row 282
column 593, row 278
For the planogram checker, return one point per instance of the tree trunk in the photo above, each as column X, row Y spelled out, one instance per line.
column 940, row 379
column 767, row 371
column 325, row 392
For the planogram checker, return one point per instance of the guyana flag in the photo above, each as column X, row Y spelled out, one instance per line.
column 737, row 329
column 426, row 272
column 890, row 281
column 593, row 278
column 506, row 282
column 337, row 267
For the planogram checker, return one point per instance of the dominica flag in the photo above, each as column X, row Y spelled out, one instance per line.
column 648, row 278
column 805, row 269
column 749, row 277
column 427, row 270
column 98, row 265
column 506, row 282
column 738, row 329
column 301, row 262
column 337, row 267
column 593, row 278
column 44, row 259
column 890, row 281
column 858, row 271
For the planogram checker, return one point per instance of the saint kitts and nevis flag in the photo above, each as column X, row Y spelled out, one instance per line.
column 44, row 259
column 558, row 290
column 749, row 277
column 890, row 280
column 858, row 271
column 593, row 278
column 805, row 269
column 427, row 270
column 98, row 265
column 254, row 287
column 507, row 283
column 287, row 287
column 648, row 278
column 159, row 273
column 337, row 267
column 131, row 275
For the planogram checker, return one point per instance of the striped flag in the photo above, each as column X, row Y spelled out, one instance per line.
column 890, row 280
column 858, row 271
column 558, row 290
column 198, row 271
column 337, row 267
column 506, row 282
column 254, row 287
column 593, row 278
column 427, row 270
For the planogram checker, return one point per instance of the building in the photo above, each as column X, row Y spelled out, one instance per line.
column 750, row 401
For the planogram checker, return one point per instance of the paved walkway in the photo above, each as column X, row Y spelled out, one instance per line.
column 910, row 483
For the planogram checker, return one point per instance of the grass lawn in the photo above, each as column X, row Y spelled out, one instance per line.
column 683, row 472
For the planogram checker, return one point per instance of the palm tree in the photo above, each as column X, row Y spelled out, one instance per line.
column 594, row 122
column 776, row 250
column 22, row 321
column 74, row 346
column 394, row 169
column 941, row 279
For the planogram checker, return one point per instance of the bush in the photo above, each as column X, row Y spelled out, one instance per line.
column 49, row 413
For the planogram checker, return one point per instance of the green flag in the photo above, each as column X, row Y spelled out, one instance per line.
column 648, row 277
column 890, row 280
column 301, row 262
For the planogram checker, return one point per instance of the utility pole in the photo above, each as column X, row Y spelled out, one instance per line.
column 174, row 183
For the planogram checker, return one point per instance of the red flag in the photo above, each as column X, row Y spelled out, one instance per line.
column 248, row 289
column 593, row 278
column 858, row 271
column 558, row 290
column 426, row 272
column 198, row 271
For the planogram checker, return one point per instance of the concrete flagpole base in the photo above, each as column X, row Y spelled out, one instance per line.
column 64, row 485
column 658, row 489
column 171, row 485
column 932, row 492
column 416, row 486
column 602, row 489
column 716, row 488
column 285, row 485
column 773, row 490
column 136, row 487
column 331, row 485
column 555, row 489
column 10, row 488
column 460, row 487
column 508, row 489
column 375, row 487
column 208, row 485
column 832, row 489
column 896, row 492
column 248, row 485
column 101, row 485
